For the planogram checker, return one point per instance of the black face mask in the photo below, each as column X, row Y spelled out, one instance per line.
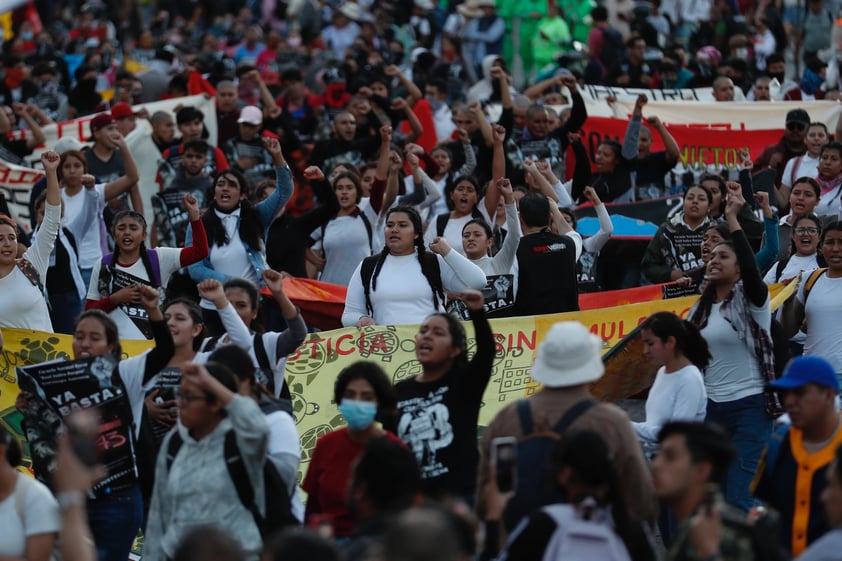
column 779, row 76
column 88, row 84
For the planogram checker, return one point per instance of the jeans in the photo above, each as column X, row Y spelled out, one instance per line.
column 65, row 307
column 750, row 427
column 115, row 521
column 86, row 277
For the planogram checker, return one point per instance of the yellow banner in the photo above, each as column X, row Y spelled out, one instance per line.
column 312, row 369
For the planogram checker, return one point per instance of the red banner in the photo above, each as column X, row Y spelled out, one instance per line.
column 698, row 144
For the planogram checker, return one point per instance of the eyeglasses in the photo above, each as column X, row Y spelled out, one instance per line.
column 186, row 397
column 793, row 126
column 810, row 231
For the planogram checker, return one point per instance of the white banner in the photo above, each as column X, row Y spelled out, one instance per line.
column 16, row 181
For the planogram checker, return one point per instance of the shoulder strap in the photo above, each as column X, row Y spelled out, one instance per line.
column 173, row 448
column 367, row 224
column 441, row 223
column 811, row 280
column 211, row 343
column 796, row 165
column 71, row 238
column 572, row 414
column 239, row 476
column 366, row 272
column 781, row 266
column 260, row 352
column 30, row 272
column 525, row 416
column 435, row 282
column 108, row 259
column 156, row 267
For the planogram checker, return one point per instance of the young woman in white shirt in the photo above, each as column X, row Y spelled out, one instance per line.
column 806, row 165
column 22, row 300
column 73, row 173
column 678, row 393
column 403, row 287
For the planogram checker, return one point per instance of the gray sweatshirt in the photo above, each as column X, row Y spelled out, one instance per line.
column 198, row 489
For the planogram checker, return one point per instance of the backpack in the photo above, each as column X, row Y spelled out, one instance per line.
column 265, row 373
column 536, row 486
column 367, row 272
column 278, row 504
column 583, row 537
column 613, row 47
column 444, row 218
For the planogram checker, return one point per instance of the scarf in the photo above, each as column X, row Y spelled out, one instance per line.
column 828, row 185
column 735, row 311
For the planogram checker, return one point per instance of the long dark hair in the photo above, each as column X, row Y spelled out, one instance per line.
column 812, row 218
column 705, row 302
column 195, row 313
column 421, row 251
column 250, row 230
column 240, row 364
column 13, row 452
column 591, row 462
column 688, row 338
column 253, row 294
column 451, row 186
column 144, row 253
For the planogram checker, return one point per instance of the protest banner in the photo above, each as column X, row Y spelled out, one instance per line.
column 699, row 146
column 312, row 369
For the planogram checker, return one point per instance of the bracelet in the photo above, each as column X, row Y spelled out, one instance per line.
column 713, row 557
column 69, row 499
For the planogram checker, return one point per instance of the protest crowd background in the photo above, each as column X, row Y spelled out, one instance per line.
column 420, row 279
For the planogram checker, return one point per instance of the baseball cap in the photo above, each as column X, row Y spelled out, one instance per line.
column 251, row 115
column 122, row 110
column 798, row 116
column 67, row 143
column 100, row 122
column 805, row 370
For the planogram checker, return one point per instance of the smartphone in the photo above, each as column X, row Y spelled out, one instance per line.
column 82, row 428
column 504, row 457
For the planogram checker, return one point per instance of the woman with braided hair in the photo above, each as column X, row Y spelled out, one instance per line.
column 116, row 278
column 405, row 283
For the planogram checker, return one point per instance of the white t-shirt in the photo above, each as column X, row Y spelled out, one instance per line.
column 809, row 167
column 40, row 511
column 822, row 312
column 169, row 261
column 453, row 228
column 733, row 372
column 403, row 294
column 679, row 395
column 231, row 259
column 90, row 246
column 795, row 265
column 346, row 243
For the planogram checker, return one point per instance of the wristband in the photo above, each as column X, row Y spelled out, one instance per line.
column 69, row 499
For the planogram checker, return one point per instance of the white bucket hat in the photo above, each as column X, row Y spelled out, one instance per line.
column 568, row 356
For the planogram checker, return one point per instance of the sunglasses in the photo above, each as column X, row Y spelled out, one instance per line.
column 796, row 126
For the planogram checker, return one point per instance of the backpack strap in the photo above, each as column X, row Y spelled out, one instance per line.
column 525, row 416
column 435, row 281
column 260, row 352
column 572, row 414
column 172, row 449
column 796, row 165
column 155, row 263
column 367, row 224
column 366, row 273
column 211, row 343
column 239, row 476
column 30, row 272
column 811, row 280
column 71, row 238
column 441, row 223
column 779, row 270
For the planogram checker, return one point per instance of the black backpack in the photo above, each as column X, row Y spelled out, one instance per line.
column 278, row 504
column 536, row 486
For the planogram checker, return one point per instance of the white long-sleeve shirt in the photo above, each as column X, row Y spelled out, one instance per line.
column 403, row 294
column 679, row 395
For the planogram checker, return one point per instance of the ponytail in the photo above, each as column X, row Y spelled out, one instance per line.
column 688, row 339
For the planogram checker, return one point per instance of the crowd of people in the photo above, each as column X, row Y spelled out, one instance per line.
column 428, row 157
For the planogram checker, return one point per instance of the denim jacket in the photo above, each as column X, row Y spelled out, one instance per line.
column 266, row 210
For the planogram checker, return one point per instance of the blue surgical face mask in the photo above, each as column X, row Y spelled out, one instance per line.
column 358, row 414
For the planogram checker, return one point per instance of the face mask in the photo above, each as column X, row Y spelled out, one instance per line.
column 779, row 76
column 435, row 104
column 742, row 53
column 358, row 414
column 294, row 42
column 27, row 35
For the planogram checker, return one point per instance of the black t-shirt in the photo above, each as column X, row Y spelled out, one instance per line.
column 651, row 172
column 59, row 277
column 438, row 420
column 547, row 282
